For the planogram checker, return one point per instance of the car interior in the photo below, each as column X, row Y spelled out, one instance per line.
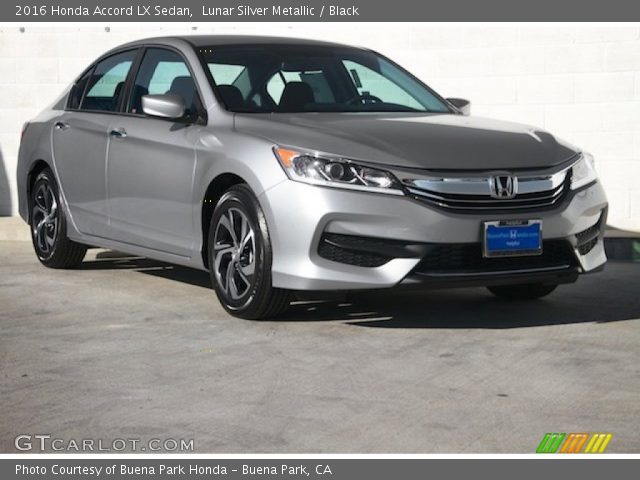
column 271, row 79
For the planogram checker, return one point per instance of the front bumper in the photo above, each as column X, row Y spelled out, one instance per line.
column 298, row 215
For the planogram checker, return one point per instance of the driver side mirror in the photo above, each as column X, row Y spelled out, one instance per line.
column 164, row 106
column 461, row 104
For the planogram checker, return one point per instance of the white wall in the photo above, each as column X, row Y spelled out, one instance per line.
column 582, row 82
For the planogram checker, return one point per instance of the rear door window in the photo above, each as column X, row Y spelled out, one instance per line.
column 106, row 83
column 75, row 97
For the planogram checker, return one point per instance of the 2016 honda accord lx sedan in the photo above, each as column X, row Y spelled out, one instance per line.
column 283, row 165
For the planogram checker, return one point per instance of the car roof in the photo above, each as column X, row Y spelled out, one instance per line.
column 213, row 40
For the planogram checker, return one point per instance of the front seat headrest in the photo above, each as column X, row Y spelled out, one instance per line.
column 186, row 88
column 295, row 96
column 231, row 96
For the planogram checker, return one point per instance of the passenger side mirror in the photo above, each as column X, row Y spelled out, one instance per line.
column 164, row 106
column 461, row 104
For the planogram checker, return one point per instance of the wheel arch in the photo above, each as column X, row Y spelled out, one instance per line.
column 213, row 193
column 35, row 168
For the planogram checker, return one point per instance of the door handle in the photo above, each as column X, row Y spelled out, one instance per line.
column 61, row 126
column 118, row 133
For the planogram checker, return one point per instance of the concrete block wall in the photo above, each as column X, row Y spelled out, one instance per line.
column 580, row 81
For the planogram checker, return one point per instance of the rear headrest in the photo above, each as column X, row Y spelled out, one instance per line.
column 231, row 96
column 116, row 94
column 295, row 96
column 118, row 89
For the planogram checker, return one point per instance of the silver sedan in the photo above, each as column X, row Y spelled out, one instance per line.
column 284, row 165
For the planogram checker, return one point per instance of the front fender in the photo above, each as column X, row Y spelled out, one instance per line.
column 217, row 153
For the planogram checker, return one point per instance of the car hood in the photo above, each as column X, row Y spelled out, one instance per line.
column 429, row 141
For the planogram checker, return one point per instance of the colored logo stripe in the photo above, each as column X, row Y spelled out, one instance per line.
column 550, row 443
column 598, row 443
column 574, row 442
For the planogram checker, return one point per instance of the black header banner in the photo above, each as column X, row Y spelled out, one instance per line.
column 23, row 11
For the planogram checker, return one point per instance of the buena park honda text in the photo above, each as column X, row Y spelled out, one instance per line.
column 283, row 165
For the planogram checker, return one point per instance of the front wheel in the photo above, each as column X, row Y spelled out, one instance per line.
column 525, row 291
column 239, row 255
column 49, row 226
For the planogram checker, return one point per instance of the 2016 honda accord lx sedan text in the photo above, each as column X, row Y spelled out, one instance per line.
column 283, row 165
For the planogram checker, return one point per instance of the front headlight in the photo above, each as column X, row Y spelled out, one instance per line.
column 583, row 172
column 335, row 172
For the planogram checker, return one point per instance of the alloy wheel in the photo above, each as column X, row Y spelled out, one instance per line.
column 234, row 254
column 44, row 218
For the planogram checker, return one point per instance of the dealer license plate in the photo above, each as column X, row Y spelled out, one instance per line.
column 511, row 238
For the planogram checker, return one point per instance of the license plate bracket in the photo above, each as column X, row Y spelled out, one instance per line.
column 512, row 238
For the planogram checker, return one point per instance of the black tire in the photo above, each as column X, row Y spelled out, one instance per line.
column 49, row 225
column 523, row 291
column 242, row 294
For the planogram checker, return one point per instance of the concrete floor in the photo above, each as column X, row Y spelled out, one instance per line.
column 131, row 348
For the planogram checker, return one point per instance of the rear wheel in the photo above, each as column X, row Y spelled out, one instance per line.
column 49, row 227
column 524, row 291
column 239, row 251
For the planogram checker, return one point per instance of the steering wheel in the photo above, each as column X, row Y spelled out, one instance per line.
column 364, row 97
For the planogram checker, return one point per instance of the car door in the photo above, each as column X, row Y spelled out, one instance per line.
column 80, row 140
column 150, row 161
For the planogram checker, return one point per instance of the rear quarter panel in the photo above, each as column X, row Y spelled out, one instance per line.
column 36, row 146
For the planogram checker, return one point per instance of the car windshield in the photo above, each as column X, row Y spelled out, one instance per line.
column 295, row 78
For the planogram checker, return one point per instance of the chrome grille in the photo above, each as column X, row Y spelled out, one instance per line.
column 475, row 193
